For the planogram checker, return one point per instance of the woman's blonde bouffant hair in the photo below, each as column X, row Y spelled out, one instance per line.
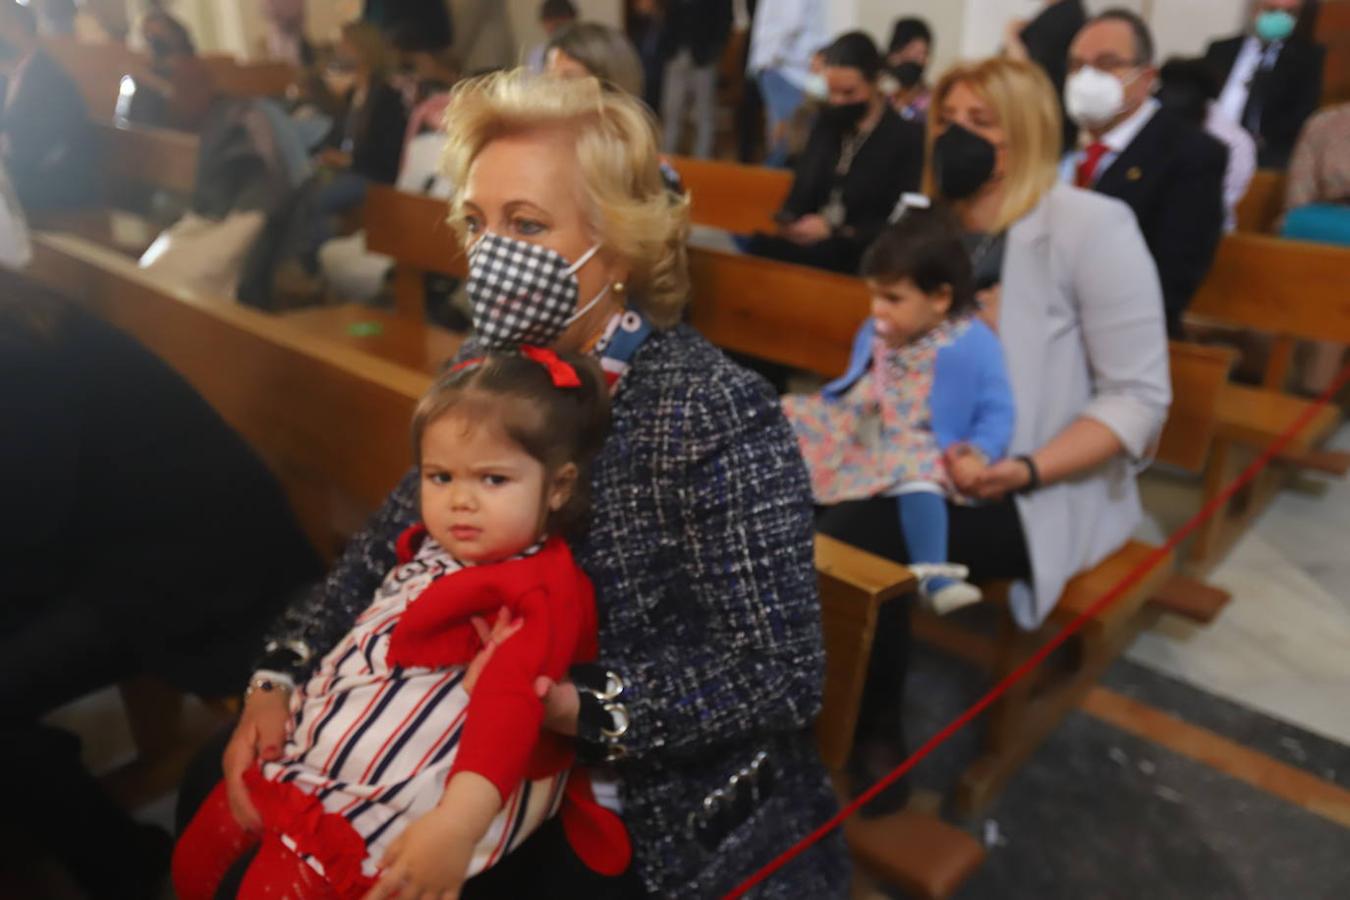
column 1023, row 100
column 628, row 206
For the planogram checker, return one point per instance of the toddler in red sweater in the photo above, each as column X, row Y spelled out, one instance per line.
column 406, row 766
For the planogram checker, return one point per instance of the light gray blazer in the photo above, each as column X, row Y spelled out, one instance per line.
column 1081, row 323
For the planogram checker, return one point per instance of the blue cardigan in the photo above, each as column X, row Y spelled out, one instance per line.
column 971, row 402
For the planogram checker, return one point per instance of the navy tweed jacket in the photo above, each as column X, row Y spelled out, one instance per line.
column 700, row 549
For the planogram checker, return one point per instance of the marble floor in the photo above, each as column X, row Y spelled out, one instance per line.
column 1282, row 646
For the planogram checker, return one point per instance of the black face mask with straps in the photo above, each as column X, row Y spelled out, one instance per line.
column 963, row 162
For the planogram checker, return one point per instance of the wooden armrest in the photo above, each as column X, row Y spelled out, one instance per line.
column 865, row 572
column 853, row 586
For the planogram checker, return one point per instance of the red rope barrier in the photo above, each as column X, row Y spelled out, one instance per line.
column 1111, row 596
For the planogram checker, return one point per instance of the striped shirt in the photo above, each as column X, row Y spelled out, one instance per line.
column 376, row 743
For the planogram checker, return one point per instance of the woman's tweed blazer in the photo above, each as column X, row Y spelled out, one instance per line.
column 701, row 553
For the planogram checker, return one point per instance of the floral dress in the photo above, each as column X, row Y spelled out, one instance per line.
column 879, row 435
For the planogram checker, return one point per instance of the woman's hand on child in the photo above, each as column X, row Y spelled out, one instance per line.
column 562, row 705
column 260, row 734
column 965, row 465
column 502, row 627
column 428, row 861
column 1007, row 476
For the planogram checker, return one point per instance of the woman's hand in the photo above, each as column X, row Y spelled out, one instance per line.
column 562, row 705
column 809, row 229
column 1000, row 479
column 965, row 465
column 428, row 861
column 260, row 734
column 502, row 627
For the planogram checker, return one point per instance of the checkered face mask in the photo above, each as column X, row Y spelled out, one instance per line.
column 522, row 293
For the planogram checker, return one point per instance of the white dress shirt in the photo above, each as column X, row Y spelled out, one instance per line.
column 1241, row 161
column 785, row 35
column 1116, row 140
column 1233, row 100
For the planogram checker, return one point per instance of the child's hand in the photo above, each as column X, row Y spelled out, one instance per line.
column 502, row 627
column 965, row 465
column 429, row 859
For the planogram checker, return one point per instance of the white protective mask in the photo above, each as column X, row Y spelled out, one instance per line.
column 1093, row 97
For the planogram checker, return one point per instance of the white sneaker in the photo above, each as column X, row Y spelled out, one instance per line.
column 949, row 598
column 952, row 597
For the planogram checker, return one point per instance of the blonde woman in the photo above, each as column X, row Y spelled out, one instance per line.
column 1072, row 290
column 697, row 717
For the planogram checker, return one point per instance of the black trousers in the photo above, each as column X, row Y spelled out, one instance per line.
column 832, row 254
column 543, row 866
column 988, row 539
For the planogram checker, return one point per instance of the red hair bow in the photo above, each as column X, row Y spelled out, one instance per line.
column 563, row 375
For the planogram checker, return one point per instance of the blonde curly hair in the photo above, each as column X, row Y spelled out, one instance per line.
column 628, row 206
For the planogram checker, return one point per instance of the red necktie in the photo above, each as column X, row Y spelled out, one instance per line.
column 1087, row 169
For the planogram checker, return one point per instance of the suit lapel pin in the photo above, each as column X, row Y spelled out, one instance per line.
column 1135, row 173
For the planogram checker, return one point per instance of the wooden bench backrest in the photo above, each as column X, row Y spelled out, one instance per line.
column 1333, row 32
column 732, row 197
column 235, row 79
column 156, row 157
column 789, row 314
column 414, row 230
column 97, row 70
column 1263, row 204
column 1279, row 287
column 1199, row 373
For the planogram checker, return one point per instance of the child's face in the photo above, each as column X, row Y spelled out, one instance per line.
column 484, row 498
column 903, row 313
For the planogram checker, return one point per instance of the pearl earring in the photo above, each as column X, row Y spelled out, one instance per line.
column 620, row 287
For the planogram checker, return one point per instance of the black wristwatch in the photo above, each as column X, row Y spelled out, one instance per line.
column 1033, row 475
column 602, row 719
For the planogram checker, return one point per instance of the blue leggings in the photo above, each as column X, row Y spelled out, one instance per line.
column 923, row 522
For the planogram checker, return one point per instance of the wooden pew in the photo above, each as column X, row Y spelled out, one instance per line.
column 97, row 70
column 1292, row 291
column 1025, row 716
column 1261, row 207
column 235, row 79
column 1333, row 32
column 732, row 197
column 151, row 157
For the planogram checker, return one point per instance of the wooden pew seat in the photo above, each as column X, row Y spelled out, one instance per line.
column 1257, row 417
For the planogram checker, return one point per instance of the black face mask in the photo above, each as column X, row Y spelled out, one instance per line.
column 963, row 162
column 844, row 115
column 908, row 74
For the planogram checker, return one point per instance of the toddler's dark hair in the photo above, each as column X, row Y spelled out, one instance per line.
column 928, row 247
column 552, row 424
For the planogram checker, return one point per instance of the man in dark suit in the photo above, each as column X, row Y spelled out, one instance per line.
column 1168, row 170
column 1272, row 78
column 692, row 41
column 46, row 139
